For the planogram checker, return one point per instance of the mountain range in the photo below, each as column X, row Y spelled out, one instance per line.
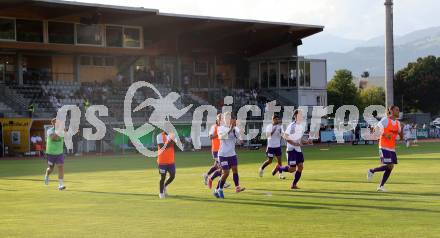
column 368, row 55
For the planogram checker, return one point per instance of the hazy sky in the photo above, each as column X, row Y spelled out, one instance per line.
column 355, row 19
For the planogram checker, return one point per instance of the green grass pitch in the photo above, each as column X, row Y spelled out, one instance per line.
column 117, row 196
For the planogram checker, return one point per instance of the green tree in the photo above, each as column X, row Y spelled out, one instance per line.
column 341, row 90
column 418, row 85
column 371, row 95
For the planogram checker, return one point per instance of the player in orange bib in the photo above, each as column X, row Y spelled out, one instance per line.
column 390, row 128
column 215, row 146
column 165, row 161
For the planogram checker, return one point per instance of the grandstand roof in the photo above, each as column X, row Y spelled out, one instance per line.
column 225, row 34
column 142, row 9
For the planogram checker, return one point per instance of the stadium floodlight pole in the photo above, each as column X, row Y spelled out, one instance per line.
column 389, row 53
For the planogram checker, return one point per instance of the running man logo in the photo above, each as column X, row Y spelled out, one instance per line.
column 164, row 108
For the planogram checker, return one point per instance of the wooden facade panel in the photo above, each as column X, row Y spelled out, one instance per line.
column 74, row 49
column 63, row 68
column 21, row 12
column 99, row 74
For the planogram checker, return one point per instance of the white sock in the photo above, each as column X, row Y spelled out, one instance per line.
column 61, row 182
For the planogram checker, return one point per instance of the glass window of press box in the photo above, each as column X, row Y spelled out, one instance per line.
column 7, row 29
column 29, row 30
column 284, row 74
column 89, row 34
column 121, row 36
column 61, row 32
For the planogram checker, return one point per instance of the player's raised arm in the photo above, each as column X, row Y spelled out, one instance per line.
column 238, row 135
column 232, row 125
column 171, row 139
column 269, row 132
column 223, row 132
column 58, row 132
column 53, row 136
column 212, row 134
column 379, row 127
column 274, row 129
column 213, row 131
column 164, row 144
column 161, row 146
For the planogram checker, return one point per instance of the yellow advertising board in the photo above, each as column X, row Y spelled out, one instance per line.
column 16, row 134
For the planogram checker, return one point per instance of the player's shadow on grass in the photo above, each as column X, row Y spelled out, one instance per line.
column 8, row 190
column 232, row 200
column 363, row 193
column 310, row 205
column 326, row 195
column 257, row 202
column 115, row 193
column 22, row 179
column 33, row 180
column 361, row 206
column 363, row 181
column 375, row 193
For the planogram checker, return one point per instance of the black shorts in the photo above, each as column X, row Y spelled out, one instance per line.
column 294, row 158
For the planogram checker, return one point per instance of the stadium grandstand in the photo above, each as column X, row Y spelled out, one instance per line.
column 55, row 53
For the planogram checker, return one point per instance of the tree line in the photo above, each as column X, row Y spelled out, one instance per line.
column 416, row 88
